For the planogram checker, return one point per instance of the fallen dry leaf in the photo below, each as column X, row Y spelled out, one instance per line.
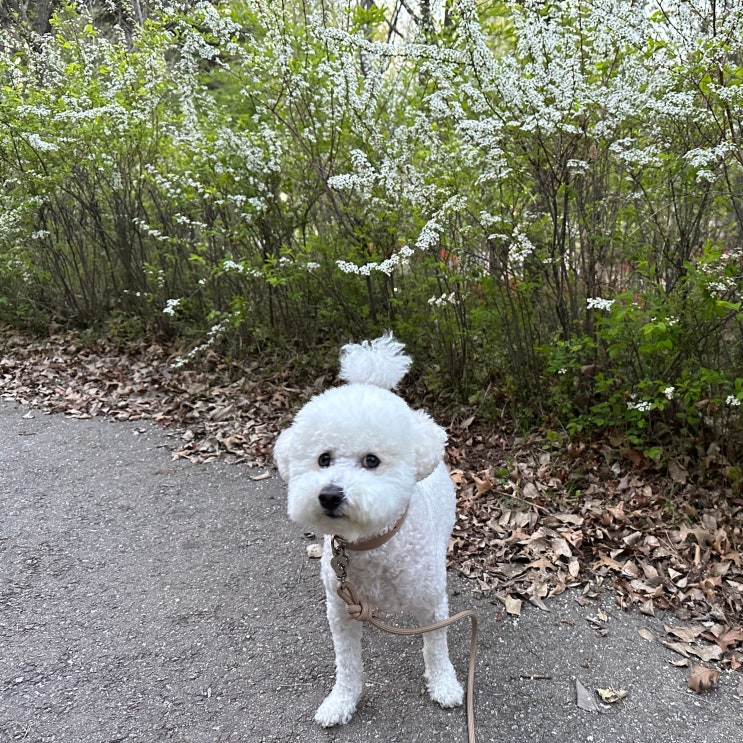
column 727, row 639
column 687, row 634
column 611, row 696
column 677, row 647
column 702, row 679
column 646, row 634
column 706, row 653
column 513, row 606
column 677, row 472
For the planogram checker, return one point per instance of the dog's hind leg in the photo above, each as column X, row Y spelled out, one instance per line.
column 340, row 704
column 440, row 675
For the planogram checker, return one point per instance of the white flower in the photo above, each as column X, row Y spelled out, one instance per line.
column 723, row 286
column 443, row 299
column 597, row 303
column 519, row 250
column 643, row 406
column 578, row 166
column 211, row 337
column 387, row 266
column 732, row 401
column 230, row 265
column 39, row 144
column 171, row 307
column 668, row 392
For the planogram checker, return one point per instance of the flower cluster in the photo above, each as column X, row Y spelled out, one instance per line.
column 214, row 334
column 387, row 266
column 597, row 303
column 226, row 144
column 171, row 306
column 519, row 250
column 231, row 266
column 444, row 299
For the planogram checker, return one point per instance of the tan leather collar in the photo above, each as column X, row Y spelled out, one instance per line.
column 374, row 542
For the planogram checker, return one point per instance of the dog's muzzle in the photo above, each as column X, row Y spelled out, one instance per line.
column 331, row 497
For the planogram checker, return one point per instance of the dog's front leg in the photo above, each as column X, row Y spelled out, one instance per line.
column 443, row 685
column 340, row 704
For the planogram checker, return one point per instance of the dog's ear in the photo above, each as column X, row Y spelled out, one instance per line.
column 281, row 451
column 430, row 440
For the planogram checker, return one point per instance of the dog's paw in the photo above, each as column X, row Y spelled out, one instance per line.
column 337, row 709
column 446, row 690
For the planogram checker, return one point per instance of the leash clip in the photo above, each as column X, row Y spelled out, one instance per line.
column 339, row 561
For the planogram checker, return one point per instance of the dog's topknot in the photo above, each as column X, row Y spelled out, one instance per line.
column 380, row 362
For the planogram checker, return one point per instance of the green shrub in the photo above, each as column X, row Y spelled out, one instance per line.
column 542, row 200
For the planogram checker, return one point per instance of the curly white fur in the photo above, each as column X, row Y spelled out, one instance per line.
column 355, row 458
column 380, row 362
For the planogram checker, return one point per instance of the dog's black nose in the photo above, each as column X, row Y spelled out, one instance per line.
column 331, row 496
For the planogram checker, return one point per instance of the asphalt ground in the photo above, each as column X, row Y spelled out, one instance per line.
column 146, row 599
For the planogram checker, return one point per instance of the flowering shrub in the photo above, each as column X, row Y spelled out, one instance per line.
column 542, row 199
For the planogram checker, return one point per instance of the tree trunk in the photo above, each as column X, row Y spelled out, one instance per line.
column 44, row 10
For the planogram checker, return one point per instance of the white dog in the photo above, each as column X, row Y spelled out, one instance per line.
column 356, row 459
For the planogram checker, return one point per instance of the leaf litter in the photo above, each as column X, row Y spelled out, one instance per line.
column 611, row 696
column 533, row 519
column 703, row 679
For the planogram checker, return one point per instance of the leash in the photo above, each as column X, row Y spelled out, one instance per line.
column 360, row 609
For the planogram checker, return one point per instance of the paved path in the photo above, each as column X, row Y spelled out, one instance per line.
column 143, row 599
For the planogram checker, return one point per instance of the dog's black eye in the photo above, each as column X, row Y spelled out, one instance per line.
column 370, row 462
column 325, row 459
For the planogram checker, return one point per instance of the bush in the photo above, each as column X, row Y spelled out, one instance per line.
column 541, row 199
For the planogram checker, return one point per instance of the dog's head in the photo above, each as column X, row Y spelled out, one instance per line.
column 353, row 455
